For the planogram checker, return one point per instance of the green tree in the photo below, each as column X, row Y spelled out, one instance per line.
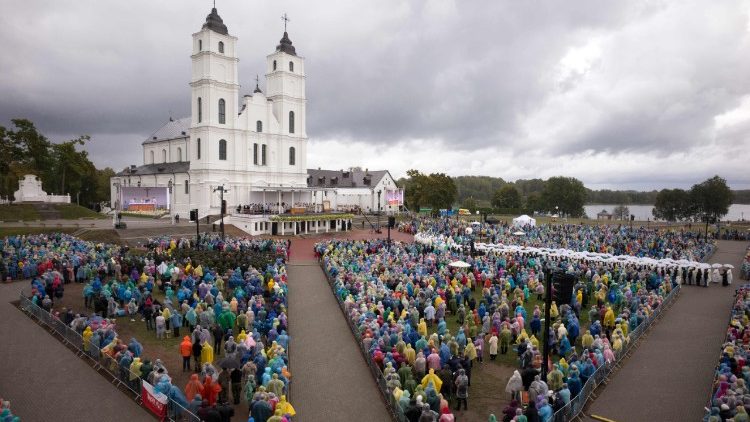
column 414, row 190
column 672, row 205
column 470, row 204
column 711, row 199
column 440, row 191
column 507, row 197
column 103, row 187
column 621, row 212
column 566, row 193
column 534, row 203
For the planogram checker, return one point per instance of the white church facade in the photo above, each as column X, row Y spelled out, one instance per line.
column 254, row 147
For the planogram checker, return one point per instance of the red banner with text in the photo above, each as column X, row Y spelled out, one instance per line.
column 154, row 401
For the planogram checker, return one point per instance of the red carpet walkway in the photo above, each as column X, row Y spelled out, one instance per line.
column 45, row 381
column 669, row 376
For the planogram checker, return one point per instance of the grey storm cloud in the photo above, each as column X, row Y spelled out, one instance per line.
column 516, row 79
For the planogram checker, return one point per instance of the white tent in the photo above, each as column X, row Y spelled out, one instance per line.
column 524, row 220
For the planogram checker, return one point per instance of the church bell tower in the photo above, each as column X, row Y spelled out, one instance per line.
column 214, row 95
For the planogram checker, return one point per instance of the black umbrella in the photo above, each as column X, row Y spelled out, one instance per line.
column 229, row 363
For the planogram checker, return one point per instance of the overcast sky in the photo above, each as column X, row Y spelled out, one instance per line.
column 630, row 94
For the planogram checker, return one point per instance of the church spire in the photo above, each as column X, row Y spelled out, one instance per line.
column 257, row 88
column 215, row 23
column 285, row 44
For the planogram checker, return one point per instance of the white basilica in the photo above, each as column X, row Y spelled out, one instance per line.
column 255, row 148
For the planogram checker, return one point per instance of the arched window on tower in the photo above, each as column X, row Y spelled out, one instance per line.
column 164, row 156
column 291, row 66
column 221, row 47
column 291, row 122
column 292, row 157
column 152, row 158
column 198, row 151
column 200, row 110
column 259, row 126
column 179, row 154
column 274, row 65
column 222, row 112
column 187, row 187
column 200, row 45
column 222, row 150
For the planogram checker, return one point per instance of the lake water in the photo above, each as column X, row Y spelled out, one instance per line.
column 643, row 212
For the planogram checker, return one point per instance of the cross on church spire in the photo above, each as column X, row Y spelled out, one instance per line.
column 285, row 18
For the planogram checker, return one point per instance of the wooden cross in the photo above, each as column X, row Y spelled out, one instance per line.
column 286, row 19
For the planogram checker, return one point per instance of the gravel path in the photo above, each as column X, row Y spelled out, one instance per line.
column 669, row 376
column 45, row 381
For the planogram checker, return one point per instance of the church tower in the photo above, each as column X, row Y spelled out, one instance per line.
column 215, row 95
column 285, row 83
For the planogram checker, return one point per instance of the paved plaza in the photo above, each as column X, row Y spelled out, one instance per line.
column 46, row 381
column 669, row 376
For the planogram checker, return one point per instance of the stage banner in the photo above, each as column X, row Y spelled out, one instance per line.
column 154, row 401
column 394, row 197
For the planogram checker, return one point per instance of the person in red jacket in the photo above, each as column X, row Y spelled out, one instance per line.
column 186, row 350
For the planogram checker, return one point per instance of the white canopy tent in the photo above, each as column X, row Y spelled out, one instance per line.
column 524, row 220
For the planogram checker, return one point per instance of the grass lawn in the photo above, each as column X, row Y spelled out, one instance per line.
column 74, row 212
column 18, row 212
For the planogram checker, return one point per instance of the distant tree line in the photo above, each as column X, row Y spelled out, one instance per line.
column 706, row 201
column 62, row 167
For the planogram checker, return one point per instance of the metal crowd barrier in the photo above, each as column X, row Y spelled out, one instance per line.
column 601, row 375
column 102, row 362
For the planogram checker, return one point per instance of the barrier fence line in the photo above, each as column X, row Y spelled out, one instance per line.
column 576, row 405
column 739, row 291
column 567, row 412
column 125, row 380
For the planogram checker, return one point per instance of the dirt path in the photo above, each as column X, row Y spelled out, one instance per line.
column 669, row 376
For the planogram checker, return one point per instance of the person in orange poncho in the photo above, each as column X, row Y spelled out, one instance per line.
column 193, row 387
column 186, row 350
column 210, row 390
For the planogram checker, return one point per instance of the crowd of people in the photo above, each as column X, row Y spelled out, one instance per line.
column 745, row 269
column 240, row 313
column 735, row 234
column 658, row 243
column 275, row 207
column 5, row 413
column 730, row 399
column 402, row 297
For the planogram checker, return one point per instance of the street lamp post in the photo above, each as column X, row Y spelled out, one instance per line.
column 379, row 192
column 221, row 189
column 171, row 203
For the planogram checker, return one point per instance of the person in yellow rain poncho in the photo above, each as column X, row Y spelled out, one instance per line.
column 207, row 353
column 553, row 312
column 422, row 327
column 242, row 336
column 432, row 378
column 143, row 278
column 135, row 373
column 609, row 318
column 87, row 333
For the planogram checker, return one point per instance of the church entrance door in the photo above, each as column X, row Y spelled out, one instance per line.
column 274, row 229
